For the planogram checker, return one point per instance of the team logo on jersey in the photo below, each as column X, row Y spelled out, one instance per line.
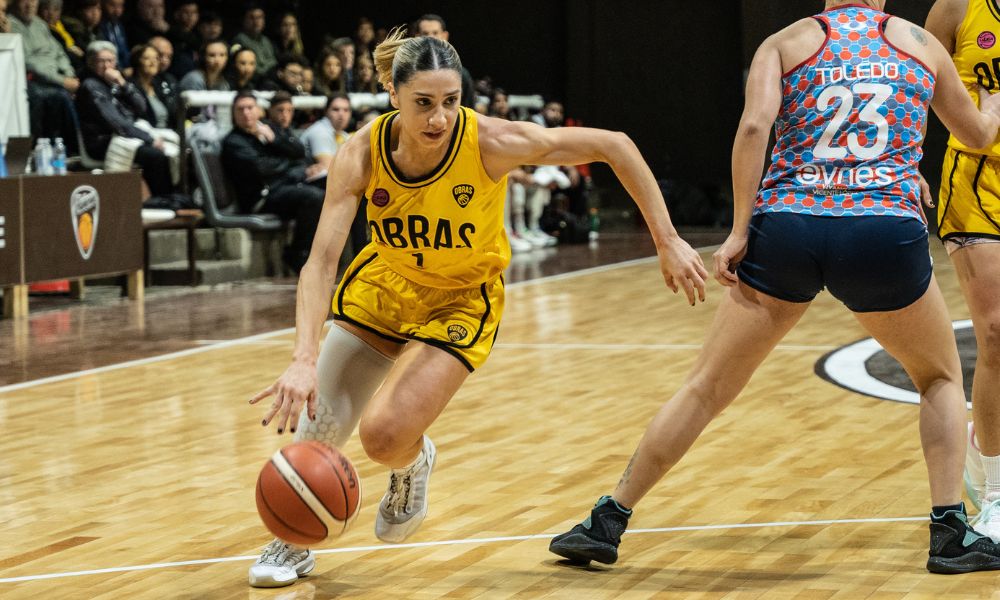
column 457, row 333
column 380, row 197
column 986, row 40
column 84, row 208
column 463, row 194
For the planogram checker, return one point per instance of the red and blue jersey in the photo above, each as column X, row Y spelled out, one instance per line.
column 849, row 131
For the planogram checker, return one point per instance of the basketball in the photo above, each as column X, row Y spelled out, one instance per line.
column 308, row 492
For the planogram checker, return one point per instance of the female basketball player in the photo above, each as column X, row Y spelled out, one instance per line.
column 847, row 91
column 969, row 225
column 418, row 309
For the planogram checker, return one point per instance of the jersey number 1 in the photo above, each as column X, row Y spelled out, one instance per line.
column 879, row 93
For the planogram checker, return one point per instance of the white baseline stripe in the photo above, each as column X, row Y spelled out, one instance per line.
column 262, row 336
column 645, row 346
column 491, row 540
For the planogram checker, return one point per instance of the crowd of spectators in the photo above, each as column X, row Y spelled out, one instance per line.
column 104, row 69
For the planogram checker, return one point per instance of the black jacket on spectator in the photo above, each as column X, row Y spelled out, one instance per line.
column 282, row 162
column 105, row 110
column 165, row 88
column 186, row 46
column 281, row 168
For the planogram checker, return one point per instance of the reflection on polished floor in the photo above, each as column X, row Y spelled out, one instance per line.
column 137, row 481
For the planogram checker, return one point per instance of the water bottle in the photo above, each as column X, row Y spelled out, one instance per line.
column 59, row 157
column 3, row 159
column 43, row 157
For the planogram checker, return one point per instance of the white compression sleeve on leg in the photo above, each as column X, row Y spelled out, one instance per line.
column 350, row 372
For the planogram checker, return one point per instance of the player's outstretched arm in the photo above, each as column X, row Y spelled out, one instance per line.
column 295, row 389
column 507, row 145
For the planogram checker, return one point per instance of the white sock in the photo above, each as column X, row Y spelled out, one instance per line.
column 991, row 465
column 416, row 461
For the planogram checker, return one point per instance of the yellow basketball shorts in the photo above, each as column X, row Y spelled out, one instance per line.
column 969, row 202
column 462, row 322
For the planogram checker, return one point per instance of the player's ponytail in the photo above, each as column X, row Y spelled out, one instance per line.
column 398, row 58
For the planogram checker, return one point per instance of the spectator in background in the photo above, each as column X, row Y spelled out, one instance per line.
column 329, row 74
column 209, row 27
column 161, row 100
column 281, row 113
column 253, row 37
column 327, row 135
column 364, row 37
column 365, row 80
column 112, row 29
column 84, row 23
column 288, row 75
column 109, row 105
column 308, row 80
column 50, row 11
column 51, row 78
column 166, row 57
column 289, row 36
column 209, row 74
column 431, row 25
column 322, row 140
column 184, row 36
column 150, row 19
column 498, row 105
column 269, row 172
column 4, row 21
column 344, row 47
column 242, row 73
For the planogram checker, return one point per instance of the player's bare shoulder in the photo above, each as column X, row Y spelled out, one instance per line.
column 916, row 41
column 353, row 161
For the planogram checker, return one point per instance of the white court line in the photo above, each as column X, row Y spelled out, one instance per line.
column 491, row 540
column 513, row 345
column 260, row 336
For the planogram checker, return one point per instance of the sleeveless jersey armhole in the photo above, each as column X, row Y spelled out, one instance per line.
column 825, row 25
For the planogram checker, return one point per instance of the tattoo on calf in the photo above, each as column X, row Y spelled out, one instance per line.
column 628, row 471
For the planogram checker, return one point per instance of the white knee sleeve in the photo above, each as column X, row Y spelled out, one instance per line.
column 350, row 371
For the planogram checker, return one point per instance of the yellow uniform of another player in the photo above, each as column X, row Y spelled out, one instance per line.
column 969, row 202
column 433, row 270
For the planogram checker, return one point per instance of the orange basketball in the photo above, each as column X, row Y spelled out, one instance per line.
column 308, row 492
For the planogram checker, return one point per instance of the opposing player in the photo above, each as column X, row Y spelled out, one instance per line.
column 418, row 309
column 847, row 92
column 969, row 225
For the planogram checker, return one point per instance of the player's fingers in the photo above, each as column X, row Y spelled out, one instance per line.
column 311, row 406
column 282, row 419
column 925, row 193
column 264, row 393
column 272, row 410
column 688, row 290
column 293, row 416
column 699, row 266
column 671, row 283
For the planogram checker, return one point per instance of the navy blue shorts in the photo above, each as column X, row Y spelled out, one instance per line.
column 872, row 263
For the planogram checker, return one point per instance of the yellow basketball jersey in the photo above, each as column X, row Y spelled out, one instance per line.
column 445, row 229
column 977, row 57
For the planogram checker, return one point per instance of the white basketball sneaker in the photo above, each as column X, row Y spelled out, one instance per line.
column 974, row 475
column 404, row 505
column 987, row 522
column 280, row 565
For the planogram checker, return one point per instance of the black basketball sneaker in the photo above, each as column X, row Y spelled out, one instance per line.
column 957, row 548
column 597, row 538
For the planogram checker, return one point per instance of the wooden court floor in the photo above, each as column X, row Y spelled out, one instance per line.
column 137, row 482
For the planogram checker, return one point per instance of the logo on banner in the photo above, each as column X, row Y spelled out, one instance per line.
column 84, row 208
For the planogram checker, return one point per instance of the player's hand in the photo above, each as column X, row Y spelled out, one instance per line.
column 989, row 103
column 293, row 391
column 926, row 198
column 728, row 257
column 683, row 268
